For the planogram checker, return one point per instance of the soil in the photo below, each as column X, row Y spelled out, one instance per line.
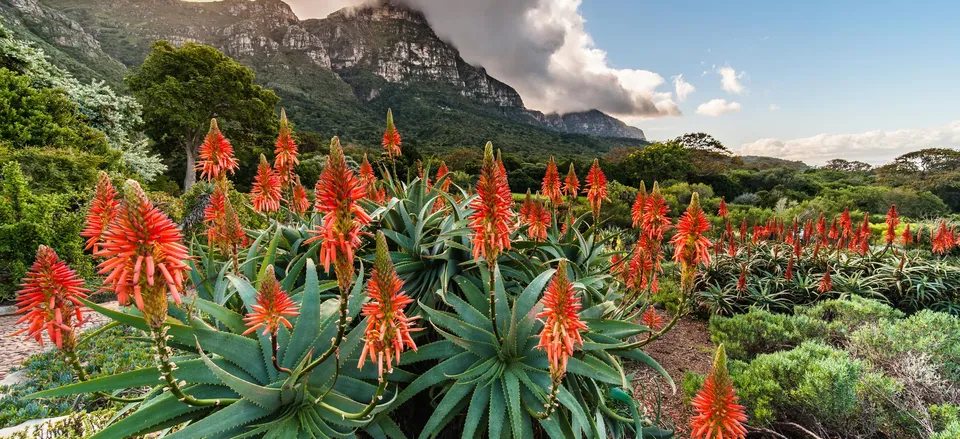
column 13, row 350
column 686, row 347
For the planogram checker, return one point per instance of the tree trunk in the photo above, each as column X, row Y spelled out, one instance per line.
column 191, row 176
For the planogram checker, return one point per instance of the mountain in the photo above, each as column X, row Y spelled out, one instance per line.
column 336, row 75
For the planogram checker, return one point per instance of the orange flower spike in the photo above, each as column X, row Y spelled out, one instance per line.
column 942, row 239
column 223, row 225
column 561, row 321
column 788, row 275
column 551, row 183
column 655, row 215
column 50, row 299
column 391, row 138
column 526, row 208
column 538, row 221
column 272, row 308
column 266, row 192
column 388, row 329
column 443, row 171
column 301, row 201
column 652, row 319
column 718, row 414
column 571, row 185
column 285, row 152
column 906, row 238
column 144, row 255
column 338, row 193
column 492, row 220
column 893, row 220
column 691, row 246
column 216, row 155
column 636, row 212
column 103, row 209
column 596, row 188
column 742, row 280
column 826, row 284
column 722, row 211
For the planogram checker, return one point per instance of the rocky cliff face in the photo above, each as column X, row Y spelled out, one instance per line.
column 393, row 44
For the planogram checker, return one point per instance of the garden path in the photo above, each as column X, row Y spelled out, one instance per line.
column 686, row 347
column 13, row 350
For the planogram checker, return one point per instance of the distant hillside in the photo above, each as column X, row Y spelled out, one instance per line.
column 760, row 162
column 336, row 76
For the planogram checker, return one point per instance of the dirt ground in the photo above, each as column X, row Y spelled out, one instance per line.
column 686, row 347
column 13, row 350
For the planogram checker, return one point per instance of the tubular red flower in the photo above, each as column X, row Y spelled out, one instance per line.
column 788, row 275
column 285, row 152
column 718, row 415
column 388, row 329
column 825, row 283
column 722, row 211
column 652, row 319
column 538, row 222
column 391, row 138
column 223, row 225
column 691, row 246
column 492, row 220
column 906, row 238
column 943, row 239
column 636, row 212
column 571, row 185
column 893, row 220
column 561, row 321
column 551, row 183
column 526, row 207
column 272, row 308
column 338, row 193
column 216, row 155
column 103, row 209
column 266, row 192
column 655, row 221
column 442, row 171
column 144, row 254
column 50, row 299
column 301, row 201
column 742, row 280
column 596, row 188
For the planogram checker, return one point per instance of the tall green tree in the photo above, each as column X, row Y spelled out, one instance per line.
column 181, row 89
column 660, row 161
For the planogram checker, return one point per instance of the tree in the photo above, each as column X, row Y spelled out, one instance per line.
column 701, row 141
column 842, row 165
column 660, row 161
column 181, row 89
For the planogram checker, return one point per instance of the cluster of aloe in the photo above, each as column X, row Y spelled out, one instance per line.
column 477, row 360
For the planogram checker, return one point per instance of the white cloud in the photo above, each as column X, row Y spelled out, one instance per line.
column 874, row 147
column 539, row 47
column 682, row 87
column 773, row 107
column 717, row 107
column 730, row 80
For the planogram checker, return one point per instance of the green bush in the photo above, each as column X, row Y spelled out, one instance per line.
column 691, row 384
column 929, row 333
column 75, row 426
column 761, row 332
column 843, row 316
column 946, row 421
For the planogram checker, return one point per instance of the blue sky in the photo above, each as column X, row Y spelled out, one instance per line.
column 837, row 68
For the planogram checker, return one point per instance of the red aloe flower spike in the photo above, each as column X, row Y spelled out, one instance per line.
column 743, row 230
column 893, row 220
column 526, row 208
column 286, row 152
column 652, row 319
column 492, row 220
column 636, row 213
column 338, row 193
column 906, row 237
column 272, row 308
column 825, row 283
column 388, row 329
column 789, row 273
column 561, row 322
column 103, row 209
column 571, row 185
column 301, row 202
column 216, row 155
column 551, row 183
column 722, row 211
column 691, row 246
column 391, row 138
column 144, row 255
column 442, row 171
column 742, row 280
column 834, row 233
column 655, row 219
column 822, row 226
column 539, row 221
column 596, row 188
column 266, row 192
column 50, row 299
column 224, row 230
column 942, row 239
column 719, row 416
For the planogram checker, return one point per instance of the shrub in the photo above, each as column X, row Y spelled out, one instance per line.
column 846, row 315
column 927, row 332
column 761, row 332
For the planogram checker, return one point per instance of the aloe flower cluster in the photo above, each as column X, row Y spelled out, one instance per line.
column 492, row 220
column 216, row 155
column 102, row 211
column 551, row 183
column 267, row 191
column 285, row 152
column 272, row 308
column 691, row 246
column 718, row 415
column 391, row 138
column 561, row 322
column 50, row 300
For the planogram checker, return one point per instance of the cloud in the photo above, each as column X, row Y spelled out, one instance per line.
column 539, row 47
column 716, row 107
column 682, row 87
column 875, row 147
column 773, row 107
column 730, row 80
